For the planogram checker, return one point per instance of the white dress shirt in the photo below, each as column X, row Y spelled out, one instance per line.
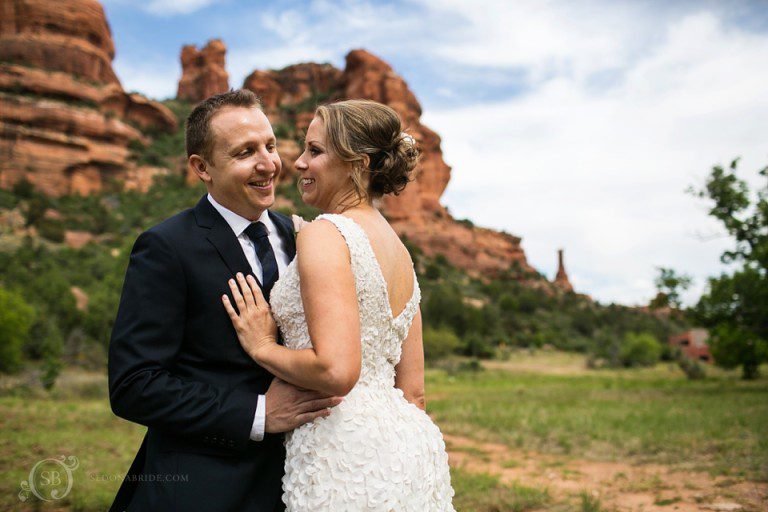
column 238, row 225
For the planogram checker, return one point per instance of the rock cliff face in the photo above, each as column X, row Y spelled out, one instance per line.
column 290, row 96
column 203, row 72
column 66, row 123
column 73, row 37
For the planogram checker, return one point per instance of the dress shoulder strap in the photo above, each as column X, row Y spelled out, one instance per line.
column 353, row 235
column 364, row 264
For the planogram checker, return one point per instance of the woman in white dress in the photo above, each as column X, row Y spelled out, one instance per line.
column 348, row 311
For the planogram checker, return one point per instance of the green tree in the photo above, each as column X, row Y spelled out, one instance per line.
column 16, row 317
column 735, row 306
column 669, row 284
column 640, row 349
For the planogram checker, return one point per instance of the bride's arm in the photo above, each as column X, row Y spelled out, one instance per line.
column 409, row 372
column 328, row 293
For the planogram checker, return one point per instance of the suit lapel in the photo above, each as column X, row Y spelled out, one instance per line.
column 220, row 235
column 229, row 248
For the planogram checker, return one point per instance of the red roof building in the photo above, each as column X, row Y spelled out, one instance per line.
column 693, row 344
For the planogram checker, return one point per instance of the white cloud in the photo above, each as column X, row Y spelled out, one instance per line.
column 322, row 31
column 166, row 7
column 543, row 37
column 602, row 171
column 154, row 77
column 170, row 7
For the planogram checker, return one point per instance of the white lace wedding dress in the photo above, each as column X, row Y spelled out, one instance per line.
column 375, row 451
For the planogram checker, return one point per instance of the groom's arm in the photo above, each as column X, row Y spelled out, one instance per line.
column 146, row 339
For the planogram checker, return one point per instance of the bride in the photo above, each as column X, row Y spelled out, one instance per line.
column 348, row 310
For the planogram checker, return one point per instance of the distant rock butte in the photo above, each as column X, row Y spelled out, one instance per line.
column 202, row 71
column 66, row 121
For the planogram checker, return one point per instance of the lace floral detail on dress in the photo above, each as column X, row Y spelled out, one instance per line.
column 375, row 451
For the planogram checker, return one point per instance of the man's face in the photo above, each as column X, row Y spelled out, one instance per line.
column 244, row 165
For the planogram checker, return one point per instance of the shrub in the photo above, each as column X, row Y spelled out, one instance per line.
column 694, row 370
column 440, row 343
column 8, row 199
column 478, row 346
column 23, row 189
column 432, row 271
column 471, row 366
column 52, row 230
column 640, row 349
column 16, row 317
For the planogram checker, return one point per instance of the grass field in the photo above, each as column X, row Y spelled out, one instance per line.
column 652, row 415
column 538, row 432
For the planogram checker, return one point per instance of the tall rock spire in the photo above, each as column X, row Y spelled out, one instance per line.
column 203, row 73
column 561, row 279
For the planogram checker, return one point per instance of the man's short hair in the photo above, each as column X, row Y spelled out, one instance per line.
column 198, row 137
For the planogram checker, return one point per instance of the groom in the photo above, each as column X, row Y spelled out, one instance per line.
column 214, row 417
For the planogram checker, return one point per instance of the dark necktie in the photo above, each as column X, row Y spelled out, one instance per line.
column 257, row 232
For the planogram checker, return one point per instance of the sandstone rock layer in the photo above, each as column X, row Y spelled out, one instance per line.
column 66, row 123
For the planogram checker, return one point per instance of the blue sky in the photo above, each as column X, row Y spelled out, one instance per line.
column 575, row 124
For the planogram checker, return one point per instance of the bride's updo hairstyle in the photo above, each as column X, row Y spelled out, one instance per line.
column 354, row 128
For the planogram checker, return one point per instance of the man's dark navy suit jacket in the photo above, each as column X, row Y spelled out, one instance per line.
column 176, row 366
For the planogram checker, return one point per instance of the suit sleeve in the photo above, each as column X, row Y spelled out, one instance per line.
column 147, row 336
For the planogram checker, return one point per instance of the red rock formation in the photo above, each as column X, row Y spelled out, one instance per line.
column 203, row 73
column 70, row 36
column 478, row 251
column 146, row 113
column 300, row 83
column 265, row 86
column 310, row 82
column 78, row 239
column 561, row 279
column 368, row 77
column 140, row 178
column 65, row 121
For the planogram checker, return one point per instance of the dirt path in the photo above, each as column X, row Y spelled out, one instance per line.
column 619, row 486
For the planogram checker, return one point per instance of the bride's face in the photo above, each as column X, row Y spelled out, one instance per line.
column 325, row 178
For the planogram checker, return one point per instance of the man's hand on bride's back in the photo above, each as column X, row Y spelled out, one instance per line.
column 289, row 407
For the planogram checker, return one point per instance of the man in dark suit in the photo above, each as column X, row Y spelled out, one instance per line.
column 214, row 417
